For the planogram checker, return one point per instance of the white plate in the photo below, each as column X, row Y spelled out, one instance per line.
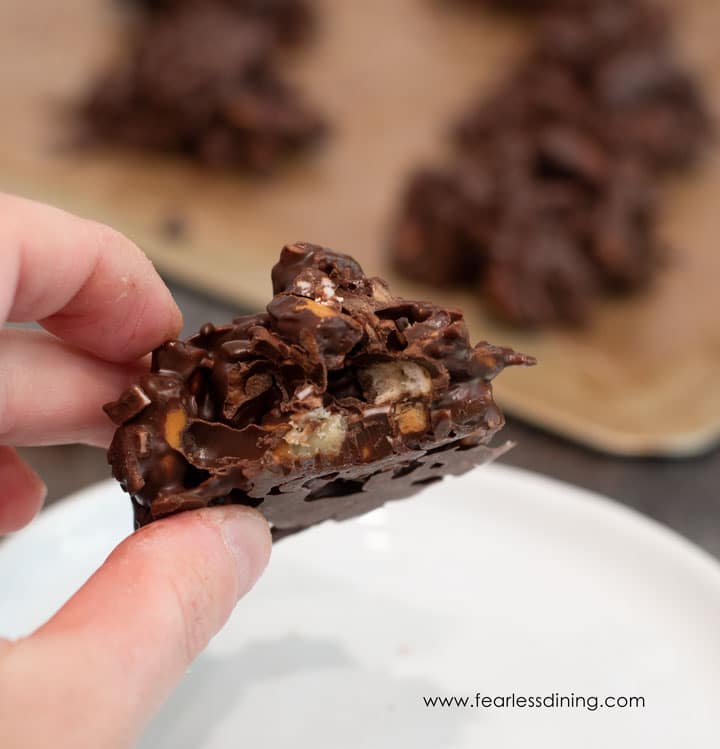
column 499, row 582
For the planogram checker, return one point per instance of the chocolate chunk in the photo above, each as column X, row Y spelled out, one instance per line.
column 550, row 202
column 174, row 227
column 337, row 399
column 200, row 81
column 130, row 404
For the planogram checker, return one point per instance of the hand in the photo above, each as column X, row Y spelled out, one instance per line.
column 95, row 673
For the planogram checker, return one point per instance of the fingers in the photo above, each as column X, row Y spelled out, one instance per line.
column 51, row 393
column 83, row 281
column 100, row 668
column 22, row 492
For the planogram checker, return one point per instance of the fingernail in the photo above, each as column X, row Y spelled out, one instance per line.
column 247, row 537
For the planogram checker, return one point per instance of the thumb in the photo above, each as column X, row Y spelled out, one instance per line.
column 95, row 673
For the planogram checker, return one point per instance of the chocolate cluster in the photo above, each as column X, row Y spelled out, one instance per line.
column 336, row 399
column 201, row 80
column 289, row 20
column 549, row 202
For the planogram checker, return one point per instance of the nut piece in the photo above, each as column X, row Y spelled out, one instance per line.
column 316, row 308
column 318, row 432
column 142, row 441
column 391, row 381
column 175, row 423
column 411, row 418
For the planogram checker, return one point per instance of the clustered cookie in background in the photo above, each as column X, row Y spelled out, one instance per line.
column 290, row 21
column 549, row 200
column 548, row 203
column 201, row 78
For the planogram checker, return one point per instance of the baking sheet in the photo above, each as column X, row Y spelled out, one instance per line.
column 641, row 380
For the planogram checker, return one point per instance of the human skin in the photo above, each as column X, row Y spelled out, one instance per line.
column 95, row 673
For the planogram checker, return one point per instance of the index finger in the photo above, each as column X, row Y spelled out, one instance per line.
column 82, row 281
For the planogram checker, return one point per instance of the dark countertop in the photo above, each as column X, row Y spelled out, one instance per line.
column 684, row 495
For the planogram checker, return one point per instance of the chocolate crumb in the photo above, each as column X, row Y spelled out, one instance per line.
column 174, row 227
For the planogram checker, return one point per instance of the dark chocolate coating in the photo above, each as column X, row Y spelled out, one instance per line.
column 200, row 81
column 337, row 399
column 550, row 202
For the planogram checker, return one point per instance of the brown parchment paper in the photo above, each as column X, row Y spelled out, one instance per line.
column 643, row 379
